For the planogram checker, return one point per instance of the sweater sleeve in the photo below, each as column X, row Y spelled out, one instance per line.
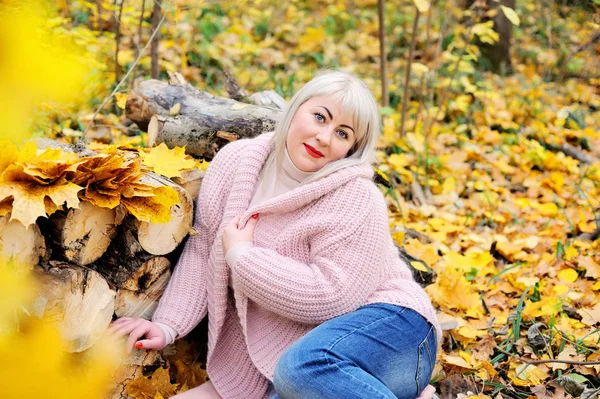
column 184, row 302
column 338, row 279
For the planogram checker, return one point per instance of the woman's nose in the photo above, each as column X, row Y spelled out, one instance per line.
column 324, row 136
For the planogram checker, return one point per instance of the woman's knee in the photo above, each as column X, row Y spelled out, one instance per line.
column 296, row 368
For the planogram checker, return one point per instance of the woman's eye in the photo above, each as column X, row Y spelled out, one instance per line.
column 342, row 134
column 320, row 117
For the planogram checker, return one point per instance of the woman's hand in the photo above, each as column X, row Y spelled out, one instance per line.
column 137, row 328
column 427, row 392
column 232, row 235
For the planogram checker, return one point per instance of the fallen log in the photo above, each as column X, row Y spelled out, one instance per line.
column 197, row 119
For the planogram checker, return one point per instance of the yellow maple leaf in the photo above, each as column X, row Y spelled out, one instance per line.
column 570, row 252
column 5, row 206
column 547, row 306
column 525, row 375
column 155, row 208
column 452, row 290
column 426, row 252
column 158, row 383
column 168, row 162
column 480, row 261
column 568, row 275
column 28, row 198
column 8, row 155
column 202, row 165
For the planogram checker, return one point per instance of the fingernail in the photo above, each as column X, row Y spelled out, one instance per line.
column 138, row 345
column 255, row 216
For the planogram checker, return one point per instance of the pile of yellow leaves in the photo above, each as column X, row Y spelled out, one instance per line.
column 505, row 223
column 36, row 183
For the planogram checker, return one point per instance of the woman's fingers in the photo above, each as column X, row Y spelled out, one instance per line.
column 427, row 392
column 118, row 323
column 137, row 333
column 154, row 343
column 125, row 327
column 235, row 221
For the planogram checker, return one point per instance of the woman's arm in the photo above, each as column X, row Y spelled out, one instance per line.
column 184, row 303
column 343, row 272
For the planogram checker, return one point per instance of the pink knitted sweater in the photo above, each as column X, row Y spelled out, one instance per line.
column 320, row 250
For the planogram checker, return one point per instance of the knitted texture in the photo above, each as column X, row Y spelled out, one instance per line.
column 320, row 250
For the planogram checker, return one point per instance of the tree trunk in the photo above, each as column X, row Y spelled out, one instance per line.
column 496, row 57
column 154, row 46
column 202, row 118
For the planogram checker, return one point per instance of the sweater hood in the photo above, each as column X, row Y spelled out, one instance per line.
column 255, row 154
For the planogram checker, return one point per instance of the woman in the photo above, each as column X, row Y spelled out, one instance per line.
column 294, row 264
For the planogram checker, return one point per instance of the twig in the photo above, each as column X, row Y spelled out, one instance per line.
column 407, row 77
column 542, row 361
column 385, row 98
column 593, row 40
column 118, row 38
column 139, row 39
column 126, row 75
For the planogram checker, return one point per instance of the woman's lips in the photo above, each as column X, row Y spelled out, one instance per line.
column 313, row 152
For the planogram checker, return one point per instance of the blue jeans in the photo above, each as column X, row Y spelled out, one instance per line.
column 377, row 351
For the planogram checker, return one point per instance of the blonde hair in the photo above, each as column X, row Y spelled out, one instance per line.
column 357, row 100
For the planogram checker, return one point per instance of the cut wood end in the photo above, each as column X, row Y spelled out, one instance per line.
column 24, row 245
column 163, row 238
column 78, row 300
column 176, row 79
column 152, row 131
column 226, row 136
column 87, row 232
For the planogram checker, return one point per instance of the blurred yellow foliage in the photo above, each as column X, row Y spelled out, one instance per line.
column 41, row 67
column 35, row 362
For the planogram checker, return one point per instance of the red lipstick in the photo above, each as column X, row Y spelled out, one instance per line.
column 313, row 152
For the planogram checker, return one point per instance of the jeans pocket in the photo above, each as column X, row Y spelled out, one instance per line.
column 426, row 360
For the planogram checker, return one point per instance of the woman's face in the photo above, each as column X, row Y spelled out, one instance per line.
column 319, row 133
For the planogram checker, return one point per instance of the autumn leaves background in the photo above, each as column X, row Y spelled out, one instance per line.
column 482, row 185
